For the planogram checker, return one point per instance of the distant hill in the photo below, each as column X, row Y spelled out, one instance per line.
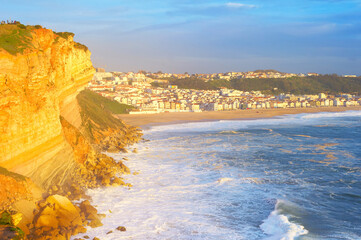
column 266, row 71
column 332, row 84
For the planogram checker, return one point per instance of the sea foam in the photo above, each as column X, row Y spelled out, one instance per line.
column 279, row 227
column 230, row 126
column 202, row 181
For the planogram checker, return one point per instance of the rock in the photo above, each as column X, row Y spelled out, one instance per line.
column 109, row 232
column 66, row 212
column 121, row 228
column 106, row 181
column 124, row 150
column 6, row 233
column 86, row 237
column 79, row 229
column 112, row 149
column 47, row 221
column 16, row 218
column 58, row 219
column 117, row 182
column 87, row 208
column 123, row 168
column 48, row 210
column 95, row 223
column 42, row 204
column 95, row 238
column 54, row 188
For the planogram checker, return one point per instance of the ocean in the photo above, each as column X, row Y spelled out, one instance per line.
column 290, row 177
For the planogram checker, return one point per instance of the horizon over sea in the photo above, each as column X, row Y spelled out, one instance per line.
column 290, row 177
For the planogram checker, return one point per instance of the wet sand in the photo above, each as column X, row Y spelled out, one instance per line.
column 146, row 120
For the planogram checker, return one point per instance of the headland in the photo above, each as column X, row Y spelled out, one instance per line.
column 52, row 135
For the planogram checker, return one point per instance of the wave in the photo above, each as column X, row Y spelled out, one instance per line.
column 332, row 114
column 224, row 180
column 278, row 226
column 230, row 126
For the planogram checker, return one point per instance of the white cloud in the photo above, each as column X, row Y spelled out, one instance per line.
column 239, row 5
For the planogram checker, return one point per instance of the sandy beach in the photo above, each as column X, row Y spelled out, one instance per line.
column 146, row 120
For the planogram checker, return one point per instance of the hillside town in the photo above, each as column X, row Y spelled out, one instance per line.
column 136, row 89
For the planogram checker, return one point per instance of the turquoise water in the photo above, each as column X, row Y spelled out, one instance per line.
column 293, row 177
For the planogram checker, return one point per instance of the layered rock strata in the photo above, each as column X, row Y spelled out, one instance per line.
column 46, row 155
column 32, row 87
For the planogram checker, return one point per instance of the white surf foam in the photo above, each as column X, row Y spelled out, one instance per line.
column 278, row 226
column 231, row 125
column 168, row 199
column 332, row 114
column 224, row 180
column 181, row 193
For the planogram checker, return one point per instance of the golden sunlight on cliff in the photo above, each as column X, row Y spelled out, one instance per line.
column 33, row 86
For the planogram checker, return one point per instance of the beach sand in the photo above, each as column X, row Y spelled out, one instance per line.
column 147, row 120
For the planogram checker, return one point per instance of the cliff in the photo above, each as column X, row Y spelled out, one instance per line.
column 51, row 136
column 35, row 82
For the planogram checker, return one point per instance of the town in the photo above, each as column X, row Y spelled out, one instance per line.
column 136, row 89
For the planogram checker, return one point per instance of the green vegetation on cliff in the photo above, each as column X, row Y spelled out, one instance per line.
column 15, row 38
column 8, row 229
column 97, row 111
column 64, row 35
column 332, row 84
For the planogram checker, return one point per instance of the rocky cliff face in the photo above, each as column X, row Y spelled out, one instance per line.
column 33, row 86
column 52, row 137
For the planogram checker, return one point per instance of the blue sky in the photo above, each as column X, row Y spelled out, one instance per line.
column 202, row 36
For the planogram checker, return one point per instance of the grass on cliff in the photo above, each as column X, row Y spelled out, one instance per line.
column 97, row 111
column 66, row 35
column 15, row 38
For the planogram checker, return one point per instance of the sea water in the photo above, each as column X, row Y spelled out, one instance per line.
column 291, row 177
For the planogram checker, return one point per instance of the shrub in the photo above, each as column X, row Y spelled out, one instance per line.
column 22, row 26
column 64, row 34
column 81, row 46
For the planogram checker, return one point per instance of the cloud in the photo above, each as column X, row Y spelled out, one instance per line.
column 239, row 5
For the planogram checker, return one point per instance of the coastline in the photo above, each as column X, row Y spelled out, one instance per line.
column 146, row 121
column 170, row 171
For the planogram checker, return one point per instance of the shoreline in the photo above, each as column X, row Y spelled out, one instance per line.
column 146, row 121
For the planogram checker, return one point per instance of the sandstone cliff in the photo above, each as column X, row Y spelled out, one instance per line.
column 34, row 85
column 52, row 136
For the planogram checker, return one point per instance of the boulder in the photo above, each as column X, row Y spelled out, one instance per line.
column 88, row 209
column 66, row 212
column 117, row 182
column 121, row 228
column 95, row 223
column 47, row 221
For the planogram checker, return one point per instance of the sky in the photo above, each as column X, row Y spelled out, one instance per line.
column 199, row 36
